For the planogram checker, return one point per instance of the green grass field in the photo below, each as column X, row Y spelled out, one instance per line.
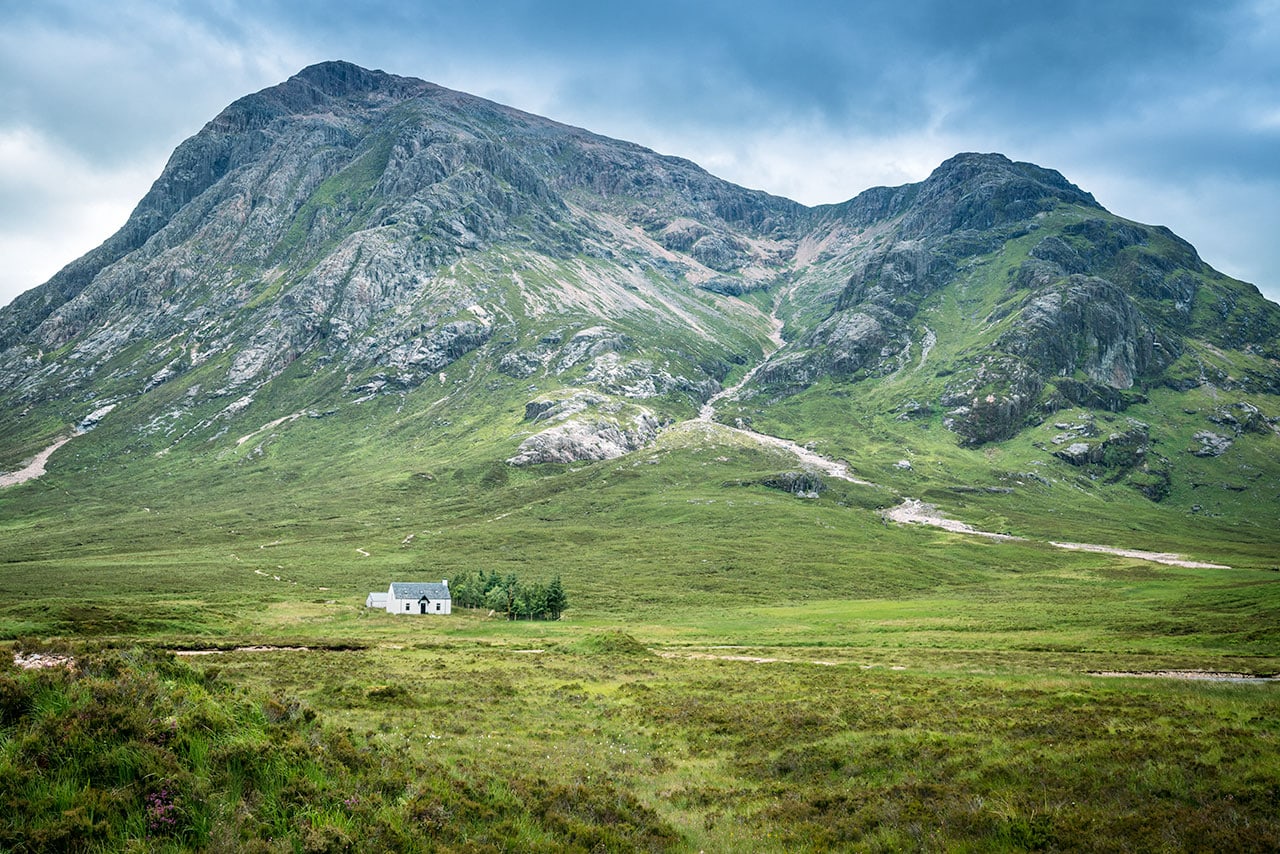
column 739, row 668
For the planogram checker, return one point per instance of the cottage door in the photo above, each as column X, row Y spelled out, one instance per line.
column 422, row 605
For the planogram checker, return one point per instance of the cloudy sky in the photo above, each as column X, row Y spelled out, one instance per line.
column 1167, row 111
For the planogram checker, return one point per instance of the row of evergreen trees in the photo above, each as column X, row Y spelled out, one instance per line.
column 505, row 594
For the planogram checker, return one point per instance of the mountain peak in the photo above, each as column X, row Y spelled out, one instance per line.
column 982, row 191
column 974, row 167
column 338, row 77
column 312, row 88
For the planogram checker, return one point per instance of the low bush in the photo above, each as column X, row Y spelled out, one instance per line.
column 133, row 749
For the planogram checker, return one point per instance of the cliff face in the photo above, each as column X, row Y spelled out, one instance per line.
column 350, row 234
column 1088, row 309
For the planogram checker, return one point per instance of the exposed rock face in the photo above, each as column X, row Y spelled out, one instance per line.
column 800, row 483
column 520, row 365
column 559, row 408
column 1080, row 453
column 439, row 348
column 1099, row 311
column 380, row 229
column 981, row 192
column 1087, row 325
column 583, row 425
column 1242, row 417
column 1211, row 444
column 582, row 439
column 969, row 206
column 1119, row 450
column 993, row 401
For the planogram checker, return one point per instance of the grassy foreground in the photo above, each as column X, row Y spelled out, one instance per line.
column 739, row 668
column 592, row 741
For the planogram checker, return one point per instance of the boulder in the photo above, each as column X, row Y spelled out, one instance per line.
column 579, row 440
column 1241, row 417
column 520, row 365
column 1080, row 453
column 1211, row 444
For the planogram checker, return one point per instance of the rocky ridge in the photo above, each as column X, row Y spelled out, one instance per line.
column 368, row 236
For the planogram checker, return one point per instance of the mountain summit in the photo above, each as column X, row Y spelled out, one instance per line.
column 350, row 241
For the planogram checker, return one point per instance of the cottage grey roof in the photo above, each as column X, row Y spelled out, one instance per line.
column 414, row 590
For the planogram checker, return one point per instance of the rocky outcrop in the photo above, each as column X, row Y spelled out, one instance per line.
column 1211, row 444
column 589, row 344
column 520, row 364
column 558, row 407
column 985, row 191
column 1089, row 326
column 897, row 278
column 868, row 327
column 585, row 439
column 802, row 484
column 582, row 425
column 993, row 401
column 1121, row 456
column 1121, row 449
column 437, row 350
column 1242, row 417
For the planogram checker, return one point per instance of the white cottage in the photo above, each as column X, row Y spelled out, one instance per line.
column 404, row 597
column 376, row 600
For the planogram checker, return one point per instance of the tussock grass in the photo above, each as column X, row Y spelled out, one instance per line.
column 133, row 750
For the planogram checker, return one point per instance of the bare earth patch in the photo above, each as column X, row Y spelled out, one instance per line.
column 1201, row 675
column 1158, row 557
column 916, row 512
column 34, row 468
column 912, row 511
column 43, row 660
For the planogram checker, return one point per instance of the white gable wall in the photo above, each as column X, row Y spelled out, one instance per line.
column 417, row 605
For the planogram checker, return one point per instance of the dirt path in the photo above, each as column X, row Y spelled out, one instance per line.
column 187, row 653
column 34, row 468
column 746, row 659
column 271, row 425
column 812, row 459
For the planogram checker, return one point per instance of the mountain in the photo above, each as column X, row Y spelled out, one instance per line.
column 353, row 259
column 364, row 329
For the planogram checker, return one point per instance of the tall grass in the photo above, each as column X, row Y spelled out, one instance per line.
column 130, row 749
